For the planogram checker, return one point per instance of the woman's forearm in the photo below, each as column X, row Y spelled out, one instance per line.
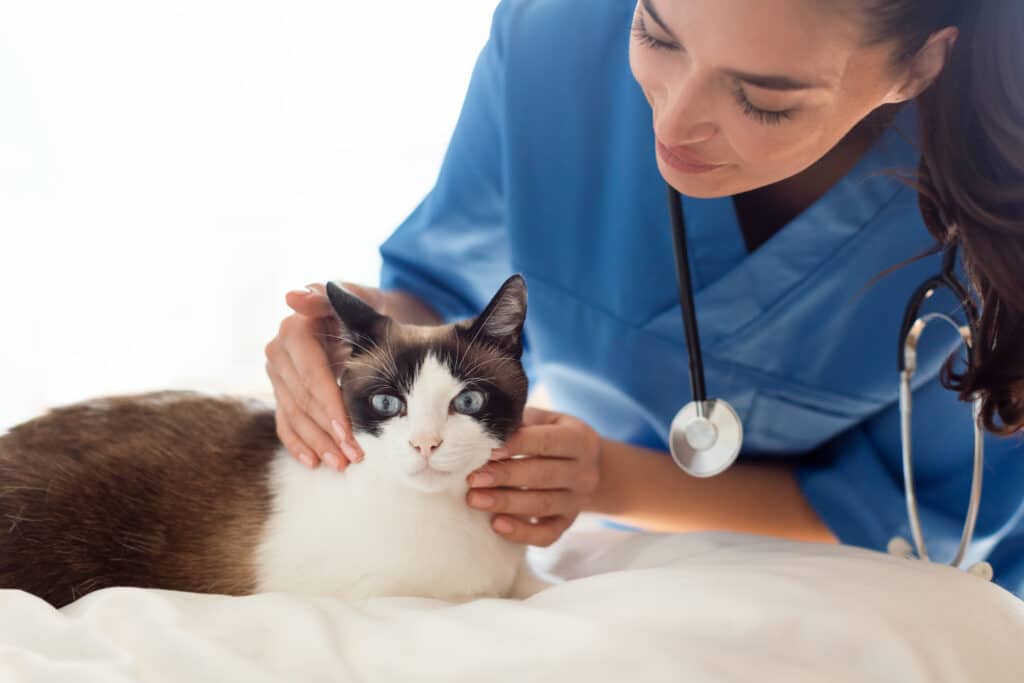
column 645, row 488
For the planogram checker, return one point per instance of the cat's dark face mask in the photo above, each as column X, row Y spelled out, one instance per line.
column 429, row 403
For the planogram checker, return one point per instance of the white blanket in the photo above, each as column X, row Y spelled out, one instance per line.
column 699, row 607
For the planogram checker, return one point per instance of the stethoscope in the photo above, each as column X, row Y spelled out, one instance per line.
column 707, row 434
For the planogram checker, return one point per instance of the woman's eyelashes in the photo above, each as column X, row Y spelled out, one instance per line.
column 645, row 37
column 767, row 117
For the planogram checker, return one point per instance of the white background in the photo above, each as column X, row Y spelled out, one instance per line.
column 168, row 170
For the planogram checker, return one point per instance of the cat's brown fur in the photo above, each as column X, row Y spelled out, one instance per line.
column 176, row 530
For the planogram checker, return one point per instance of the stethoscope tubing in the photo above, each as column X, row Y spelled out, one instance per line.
column 689, row 312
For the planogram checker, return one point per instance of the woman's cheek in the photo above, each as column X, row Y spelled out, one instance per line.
column 645, row 71
column 773, row 151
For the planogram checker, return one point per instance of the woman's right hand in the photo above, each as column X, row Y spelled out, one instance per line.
column 303, row 365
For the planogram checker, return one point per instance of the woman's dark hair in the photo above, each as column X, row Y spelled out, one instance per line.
column 971, row 176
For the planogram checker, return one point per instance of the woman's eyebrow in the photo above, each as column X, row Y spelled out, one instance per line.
column 649, row 8
column 773, row 82
column 766, row 81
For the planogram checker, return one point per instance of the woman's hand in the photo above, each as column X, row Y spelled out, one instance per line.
column 551, row 486
column 303, row 367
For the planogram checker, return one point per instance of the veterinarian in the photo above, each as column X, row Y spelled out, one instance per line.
column 786, row 126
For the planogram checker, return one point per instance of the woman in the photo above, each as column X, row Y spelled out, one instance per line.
column 783, row 124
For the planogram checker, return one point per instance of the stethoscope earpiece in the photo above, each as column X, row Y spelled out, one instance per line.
column 900, row 547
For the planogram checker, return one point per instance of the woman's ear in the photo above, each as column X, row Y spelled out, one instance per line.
column 924, row 67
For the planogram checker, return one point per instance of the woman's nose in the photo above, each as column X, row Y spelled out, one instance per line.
column 687, row 117
column 426, row 443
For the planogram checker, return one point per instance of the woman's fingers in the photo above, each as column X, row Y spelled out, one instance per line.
column 539, row 487
column 313, row 387
column 306, row 437
column 528, row 503
column 311, row 302
column 543, row 533
column 532, row 416
column 544, row 439
column 551, row 484
column 303, row 363
column 299, row 393
column 534, row 473
column 299, row 450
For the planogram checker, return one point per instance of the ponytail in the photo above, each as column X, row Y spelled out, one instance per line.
column 972, row 191
column 971, row 178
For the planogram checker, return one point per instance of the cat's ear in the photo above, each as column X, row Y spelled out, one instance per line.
column 357, row 317
column 502, row 320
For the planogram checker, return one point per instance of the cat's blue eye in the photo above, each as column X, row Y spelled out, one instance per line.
column 469, row 402
column 386, row 404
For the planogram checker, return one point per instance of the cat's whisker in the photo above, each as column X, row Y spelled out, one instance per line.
column 345, row 341
column 485, row 362
column 357, row 363
column 460, row 357
column 356, row 345
column 479, row 381
column 328, row 335
column 393, row 364
column 482, row 325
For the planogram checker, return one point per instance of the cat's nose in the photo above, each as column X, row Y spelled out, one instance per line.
column 425, row 442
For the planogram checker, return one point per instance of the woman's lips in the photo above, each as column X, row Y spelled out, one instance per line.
column 682, row 160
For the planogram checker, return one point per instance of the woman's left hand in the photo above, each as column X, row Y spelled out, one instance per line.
column 552, row 486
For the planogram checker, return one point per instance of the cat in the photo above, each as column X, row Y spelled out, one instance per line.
column 183, row 491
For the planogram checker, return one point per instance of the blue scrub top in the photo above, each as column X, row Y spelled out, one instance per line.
column 551, row 173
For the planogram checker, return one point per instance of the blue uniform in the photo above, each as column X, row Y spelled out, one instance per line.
column 552, row 173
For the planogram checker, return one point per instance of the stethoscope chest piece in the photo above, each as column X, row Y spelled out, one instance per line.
column 705, row 438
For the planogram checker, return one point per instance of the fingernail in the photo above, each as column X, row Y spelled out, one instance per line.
column 301, row 292
column 342, row 436
column 502, row 525
column 481, row 500
column 499, row 454
column 351, row 452
column 481, row 479
column 333, row 461
column 307, row 460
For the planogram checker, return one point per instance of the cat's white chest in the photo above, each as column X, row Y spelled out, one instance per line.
column 357, row 535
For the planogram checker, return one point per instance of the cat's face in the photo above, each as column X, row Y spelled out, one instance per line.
column 428, row 404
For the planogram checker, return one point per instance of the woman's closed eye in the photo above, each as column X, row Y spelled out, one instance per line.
column 768, row 117
column 646, row 38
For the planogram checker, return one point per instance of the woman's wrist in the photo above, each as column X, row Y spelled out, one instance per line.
column 606, row 498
